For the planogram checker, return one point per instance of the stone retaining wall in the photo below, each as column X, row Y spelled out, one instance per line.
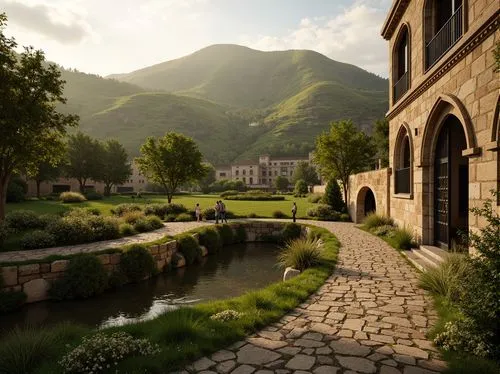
column 35, row 279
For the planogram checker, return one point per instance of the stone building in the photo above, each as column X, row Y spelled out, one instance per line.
column 261, row 173
column 443, row 117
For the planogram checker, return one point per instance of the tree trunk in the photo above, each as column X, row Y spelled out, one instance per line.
column 82, row 185
column 38, row 188
column 169, row 197
column 344, row 185
column 4, row 182
column 107, row 190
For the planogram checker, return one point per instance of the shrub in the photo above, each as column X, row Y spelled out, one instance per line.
column 290, row 232
column 228, row 193
column 162, row 210
column 4, row 232
column 323, row 212
column 20, row 220
column 315, row 198
column 184, row 217
column 333, row 196
column 100, row 352
column 16, row 190
column 301, row 188
column 189, row 247
column 210, row 238
column 279, row 214
column 149, row 223
column 446, row 279
column 240, row 234
column 403, row 239
column 252, row 215
column 226, row 234
column 300, row 254
column 84, row 277
column 93, row 195
column 126, row 229
column 209, row 214
column 72, row 197
column 137, row 263
column 132, row 217
column 374, row 220
column 37, row 239
column 385, row 230
column 154, row 222
column 93, row 211
column 170, row 218
column 122, row 209
column 226, row 316
column 345, row 217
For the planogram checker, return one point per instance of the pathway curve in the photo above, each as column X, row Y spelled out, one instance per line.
column 369, row 317
column 170, row 228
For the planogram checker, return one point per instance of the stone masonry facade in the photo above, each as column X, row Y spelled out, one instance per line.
column 461, row 83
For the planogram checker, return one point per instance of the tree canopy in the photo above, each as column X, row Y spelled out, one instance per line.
column 305, row 172
column 117, row 169
column 30, row 124
column 301, row 188
column 171, row 161
column 381, row 139
column 281, row 183
column 342, row 151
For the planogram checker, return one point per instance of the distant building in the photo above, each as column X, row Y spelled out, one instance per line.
column 261, row 173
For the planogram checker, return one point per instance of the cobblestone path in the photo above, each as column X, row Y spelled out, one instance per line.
column 170, row 228
column 369, row 317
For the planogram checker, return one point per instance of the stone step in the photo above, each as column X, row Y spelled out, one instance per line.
column 415, row 260
column 424, row 256
column 435, row 252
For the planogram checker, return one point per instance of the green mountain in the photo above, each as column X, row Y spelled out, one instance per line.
column 234, row 101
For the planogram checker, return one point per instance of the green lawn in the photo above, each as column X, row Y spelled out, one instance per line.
column 260, row 208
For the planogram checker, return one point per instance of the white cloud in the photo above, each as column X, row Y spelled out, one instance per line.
column 353, row 36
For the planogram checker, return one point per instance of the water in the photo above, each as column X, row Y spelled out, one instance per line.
column 232, row 272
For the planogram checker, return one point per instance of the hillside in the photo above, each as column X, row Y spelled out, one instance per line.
column 234, row 101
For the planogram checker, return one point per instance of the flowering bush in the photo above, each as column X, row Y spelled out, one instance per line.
column 72, row 197
column 226, row 316
column 101, row 352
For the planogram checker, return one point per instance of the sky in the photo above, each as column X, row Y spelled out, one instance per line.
column 118, row 36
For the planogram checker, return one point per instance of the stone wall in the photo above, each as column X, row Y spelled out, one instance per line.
column 35, row 279
column 378, row 181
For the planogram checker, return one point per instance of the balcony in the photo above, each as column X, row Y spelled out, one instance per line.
column 400, row 87
column 402, row 180
column 445, row 38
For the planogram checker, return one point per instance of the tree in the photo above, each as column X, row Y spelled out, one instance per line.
column 209, row 178
column 301, row 187
column 281, row 183
column 30, row 125
column 116, row 168
column 333, row 196
column 305, row 172
column 342, row 151
column 85, row 159
column 171, row 161
column 381, row 139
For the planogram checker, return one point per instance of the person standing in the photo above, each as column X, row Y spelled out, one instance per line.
column 294, row 211
column 217, row 212
column 197, row 212
column 222, row 212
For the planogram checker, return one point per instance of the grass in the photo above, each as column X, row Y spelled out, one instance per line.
column 459, row 363
column 185, row 334
column 260, row 208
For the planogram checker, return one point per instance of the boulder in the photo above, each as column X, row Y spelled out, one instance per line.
column 36, row 290
column 290, row 273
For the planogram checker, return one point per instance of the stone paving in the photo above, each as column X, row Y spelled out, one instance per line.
column 369, row 317
column 170, row 228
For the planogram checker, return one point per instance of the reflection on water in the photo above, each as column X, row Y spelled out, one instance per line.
column 233, row 271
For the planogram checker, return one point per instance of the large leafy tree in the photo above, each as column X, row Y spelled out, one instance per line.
column 171, row 161
column 381, row 139
column 117, row 169
column 30, row 125
column 305, row 172
column 342, row 151
column 205, row 181
column 47, row 168
column 85, row 159
column 281, row 183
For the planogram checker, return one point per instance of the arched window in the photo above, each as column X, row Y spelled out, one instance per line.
column 444, row 25
column 401, row 61
column 403, row 162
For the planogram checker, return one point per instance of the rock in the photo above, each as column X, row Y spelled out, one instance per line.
column 301, row 362
column 354, row 324
column 351, row 347
column 382, row 338
column 389, row 362
column 323, row 328
column 313, row 336
column 417, row 370
column 323, row 351
column 397, row 321
column 308, row 343
column 297, row 332
column 404, row 359
column 275, row 364
column 264, row 372
column 29, row 269
column 9, row 274
column 266, row 343
column 36, row 290
column 358, row 364
column 291, row 351
column 204, row 250
column 324, row 360
column 326, row 369
column 272, row 335
column 253, row 355
column 436, row 365
column 389, row 370
column 336, row 316
column 223, row 356
column 225, row 367
column 202, row 364
column 243, row 369
column 410, row 351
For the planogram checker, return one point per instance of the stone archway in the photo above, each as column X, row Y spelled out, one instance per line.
column 366, row 203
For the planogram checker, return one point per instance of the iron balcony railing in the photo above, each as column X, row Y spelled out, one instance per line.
column 445, row 38
column 403, row 180
column 400, row 87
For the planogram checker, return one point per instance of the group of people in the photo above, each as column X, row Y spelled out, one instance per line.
column 219, row 209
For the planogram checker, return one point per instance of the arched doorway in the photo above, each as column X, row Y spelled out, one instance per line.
column 370, row 204
column 451, row 184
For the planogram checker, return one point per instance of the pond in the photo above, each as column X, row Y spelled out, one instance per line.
column 231, row 272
